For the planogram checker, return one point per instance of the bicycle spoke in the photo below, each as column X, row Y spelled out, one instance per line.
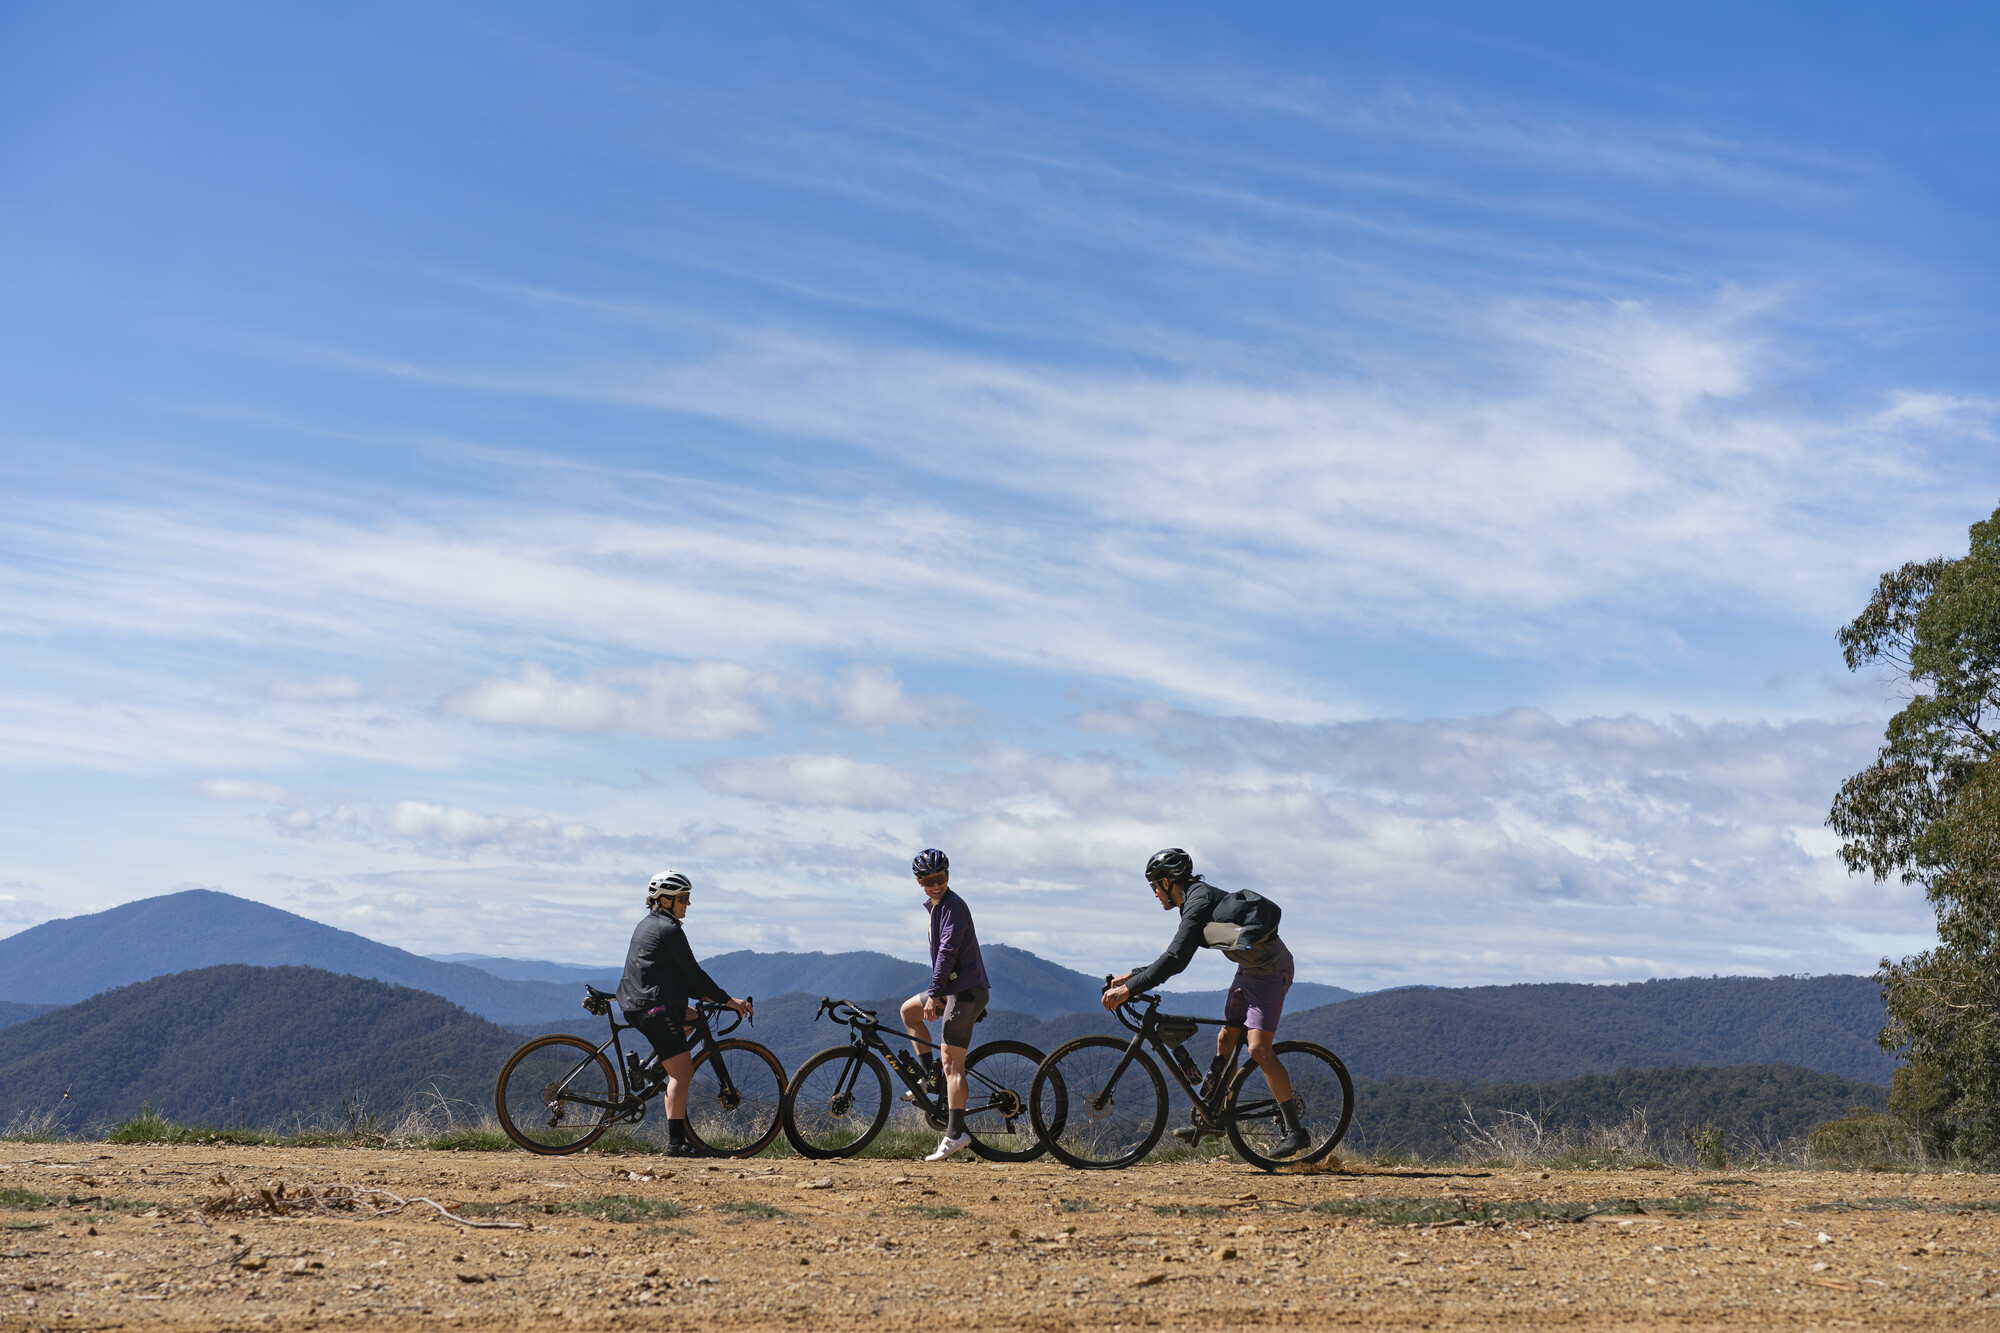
column 1095, row 1108
column 554, row 1095
column 735, row 1098
column 1319, row 1082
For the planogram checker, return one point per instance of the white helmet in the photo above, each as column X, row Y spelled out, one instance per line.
column 667, row 884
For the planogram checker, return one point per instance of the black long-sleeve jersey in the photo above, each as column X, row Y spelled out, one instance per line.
column 660, row 970
column 1243, row 925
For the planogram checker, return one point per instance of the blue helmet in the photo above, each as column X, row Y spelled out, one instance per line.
column 930, row 861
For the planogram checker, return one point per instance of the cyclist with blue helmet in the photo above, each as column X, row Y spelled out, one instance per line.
column 957, row 993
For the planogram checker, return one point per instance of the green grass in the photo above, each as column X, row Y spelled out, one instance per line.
column 1729, row 1180
column 1444, row 1212
column 150, row 1127
column 20, row 1201
column 666, row 1231
column 470, row 1140
column 748, row 1210
column 1192, row 1210
column 1079, row 1206
column 935, row 1211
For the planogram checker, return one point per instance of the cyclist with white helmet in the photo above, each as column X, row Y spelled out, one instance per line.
column 661, row 975
column 957, row 994
column 1244, row 926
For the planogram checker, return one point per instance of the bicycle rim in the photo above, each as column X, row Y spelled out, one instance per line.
column 1086, row 1121
column 837, row 1103
column 998, row 1077
column 1319, row 1080
column 742, row 1118
column 538, row 1095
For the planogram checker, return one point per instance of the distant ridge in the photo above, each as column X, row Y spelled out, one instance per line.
column 12, row 1012
column 238, row 1045
column 64, row 961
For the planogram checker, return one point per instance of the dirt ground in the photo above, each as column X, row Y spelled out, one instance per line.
column 107, row 1237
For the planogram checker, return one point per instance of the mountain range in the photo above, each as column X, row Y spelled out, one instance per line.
column 1490, row 1034
column 290, row 1048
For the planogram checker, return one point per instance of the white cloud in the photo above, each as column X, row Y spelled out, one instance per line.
column 818, row 780
column 702, row 701
column 239, row 789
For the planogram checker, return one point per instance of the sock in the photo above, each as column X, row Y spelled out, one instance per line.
column 955, row 1122
column 677, row 1133
column 930, row 1061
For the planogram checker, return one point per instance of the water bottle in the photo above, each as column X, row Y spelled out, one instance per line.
column 635, row 1070
column 1188, row 1066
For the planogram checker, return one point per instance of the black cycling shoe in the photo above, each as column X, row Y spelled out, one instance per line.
column 1191, row 1134
column 691, row 1149
column 1295, row 1139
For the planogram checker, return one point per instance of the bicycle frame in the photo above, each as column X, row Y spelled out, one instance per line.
column 631, row 1108
column 1145, row 1031
column 864, row 1030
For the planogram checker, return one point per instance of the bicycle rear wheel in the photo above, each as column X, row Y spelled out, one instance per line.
column 837, row 1103
column 742, row 1118
column 998, row 1076
column 1088, row 1121
column 1319, row 1081
column 555, row 1095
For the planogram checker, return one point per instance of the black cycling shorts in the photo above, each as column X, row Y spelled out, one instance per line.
column 667, row 1033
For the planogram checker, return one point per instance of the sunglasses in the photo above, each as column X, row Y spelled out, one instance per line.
column 932, row 881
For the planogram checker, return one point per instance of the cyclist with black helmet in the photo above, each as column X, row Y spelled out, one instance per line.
column 1244, row 926
column 957, row 993
column 661, row 975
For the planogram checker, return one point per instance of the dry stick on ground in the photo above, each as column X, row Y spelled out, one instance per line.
column 332, row 1201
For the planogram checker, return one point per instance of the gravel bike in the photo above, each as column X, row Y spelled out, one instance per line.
column 839, row 1100
column 559, row 1094
column 1100, row 1103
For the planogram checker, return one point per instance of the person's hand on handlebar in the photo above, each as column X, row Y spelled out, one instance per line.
column 1116, row 994
column 742, row 1007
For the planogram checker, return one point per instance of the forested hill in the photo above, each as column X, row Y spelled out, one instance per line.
column 1494, row 1034
column 237, row 1045
column 12, row 1012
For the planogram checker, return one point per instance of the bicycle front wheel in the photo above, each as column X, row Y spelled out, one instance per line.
column 837, row 1103
column 555, row 1095
column 1320, row 1082
column 735, row 1098
column 1094, row 1108
column 998, row 1076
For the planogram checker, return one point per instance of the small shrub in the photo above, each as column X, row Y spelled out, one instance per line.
column 20, row 1201
column 935, row 1211
column 1079, row 1206
column 748, row 1210
column 1863, row 1138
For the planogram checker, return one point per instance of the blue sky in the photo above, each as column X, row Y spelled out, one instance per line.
column 464, row 458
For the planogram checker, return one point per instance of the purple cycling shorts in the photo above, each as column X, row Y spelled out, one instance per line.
column 1256, row 1002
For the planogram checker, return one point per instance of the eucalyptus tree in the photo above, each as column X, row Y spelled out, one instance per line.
column 1928, row 810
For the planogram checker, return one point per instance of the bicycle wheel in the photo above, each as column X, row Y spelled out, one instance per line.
column 555, row 1095
column 1086, row 1121
column 741, row 1119
column 1319, row 1081
column 998, row 1076
column 837, row 1103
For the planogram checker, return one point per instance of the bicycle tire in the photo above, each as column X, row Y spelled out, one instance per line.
column 1097, row 1138
column 820, row 1125
column 747, row 1128
column 521, row 1096
column 1000, row 1100
column 1318, row 1077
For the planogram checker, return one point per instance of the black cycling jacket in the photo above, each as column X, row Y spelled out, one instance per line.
column 1241, row 924
column 660, row 970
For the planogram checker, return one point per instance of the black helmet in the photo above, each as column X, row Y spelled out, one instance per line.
column 930, row 861
column 667, row 884
column 1170, row 864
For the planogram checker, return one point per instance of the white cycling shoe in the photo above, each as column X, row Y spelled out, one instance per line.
column 949, row 1145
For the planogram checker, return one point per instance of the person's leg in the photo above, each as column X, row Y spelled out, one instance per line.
column 955, row 1085
column 960, row 1013
column 680, row 1071
column 1275, row 1077
column 918, row 1030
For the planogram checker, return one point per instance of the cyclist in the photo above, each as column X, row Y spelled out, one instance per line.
column 661, row 975
column 957, row 993
column 1244, row 926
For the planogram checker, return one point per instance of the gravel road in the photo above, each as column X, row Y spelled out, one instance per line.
column 221, row 1237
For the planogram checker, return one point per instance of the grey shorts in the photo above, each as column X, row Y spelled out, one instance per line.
column 961, row 1011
